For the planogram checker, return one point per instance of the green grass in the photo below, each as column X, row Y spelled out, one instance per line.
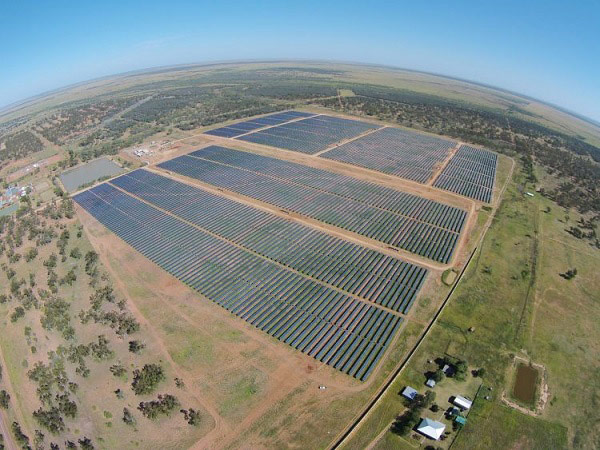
column 241, row 393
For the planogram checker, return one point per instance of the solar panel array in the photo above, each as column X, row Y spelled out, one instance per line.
column 348, row 334
column 309, row 135
column 471, row 172
column 239, row 128
column 352, row 268
column 421, row 226
column 396, row 152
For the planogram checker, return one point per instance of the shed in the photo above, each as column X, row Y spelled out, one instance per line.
column 430, row 383
column 409, row 393
column 431, row 428
column 461, row 420
column 462, row 402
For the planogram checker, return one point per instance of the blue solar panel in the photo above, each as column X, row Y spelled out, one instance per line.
column 239, row 128
column 224, row 132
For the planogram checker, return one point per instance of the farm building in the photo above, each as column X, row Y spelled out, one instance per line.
column 462, row 402
column 431, row 428
column 409, row 393
column 430, row 383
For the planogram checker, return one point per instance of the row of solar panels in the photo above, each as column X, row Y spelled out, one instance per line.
column 240, row 128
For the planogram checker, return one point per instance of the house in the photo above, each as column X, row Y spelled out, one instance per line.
column 409, row 393
column 431, row 428
column 462, row 402
column 430, row 383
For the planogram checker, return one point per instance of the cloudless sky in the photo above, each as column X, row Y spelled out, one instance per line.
column 546, row 49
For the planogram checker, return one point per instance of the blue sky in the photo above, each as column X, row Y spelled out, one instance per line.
column 546, row 49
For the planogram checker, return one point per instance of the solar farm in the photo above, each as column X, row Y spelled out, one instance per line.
column 471, row 172
column 396, row 152
column 341, row 331
column 328, row 263
column 423, row 227
column 247, row 126
column 310, row 135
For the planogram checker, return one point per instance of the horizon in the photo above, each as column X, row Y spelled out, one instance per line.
column 539, row 50
column 15, row 105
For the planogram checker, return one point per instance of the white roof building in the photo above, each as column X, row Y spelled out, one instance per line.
column 462, row 402
column 431, row 428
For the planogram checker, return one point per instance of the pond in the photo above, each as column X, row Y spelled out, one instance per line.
column 525, row 383
column 89, row 172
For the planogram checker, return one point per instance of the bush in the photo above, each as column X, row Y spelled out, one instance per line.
column 128, row 417
column 118, row 370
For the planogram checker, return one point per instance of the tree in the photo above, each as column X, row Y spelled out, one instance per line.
column 30, row 254
column 438, row 375
column 146, row 379
column 85, row 444
column 75, row 253
column 163, row 405
column 461, row 370
column 191, row 416
column 136, row 347
column 20, row 437
column 17, row 314
column 50, row 419
column 481, row 372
